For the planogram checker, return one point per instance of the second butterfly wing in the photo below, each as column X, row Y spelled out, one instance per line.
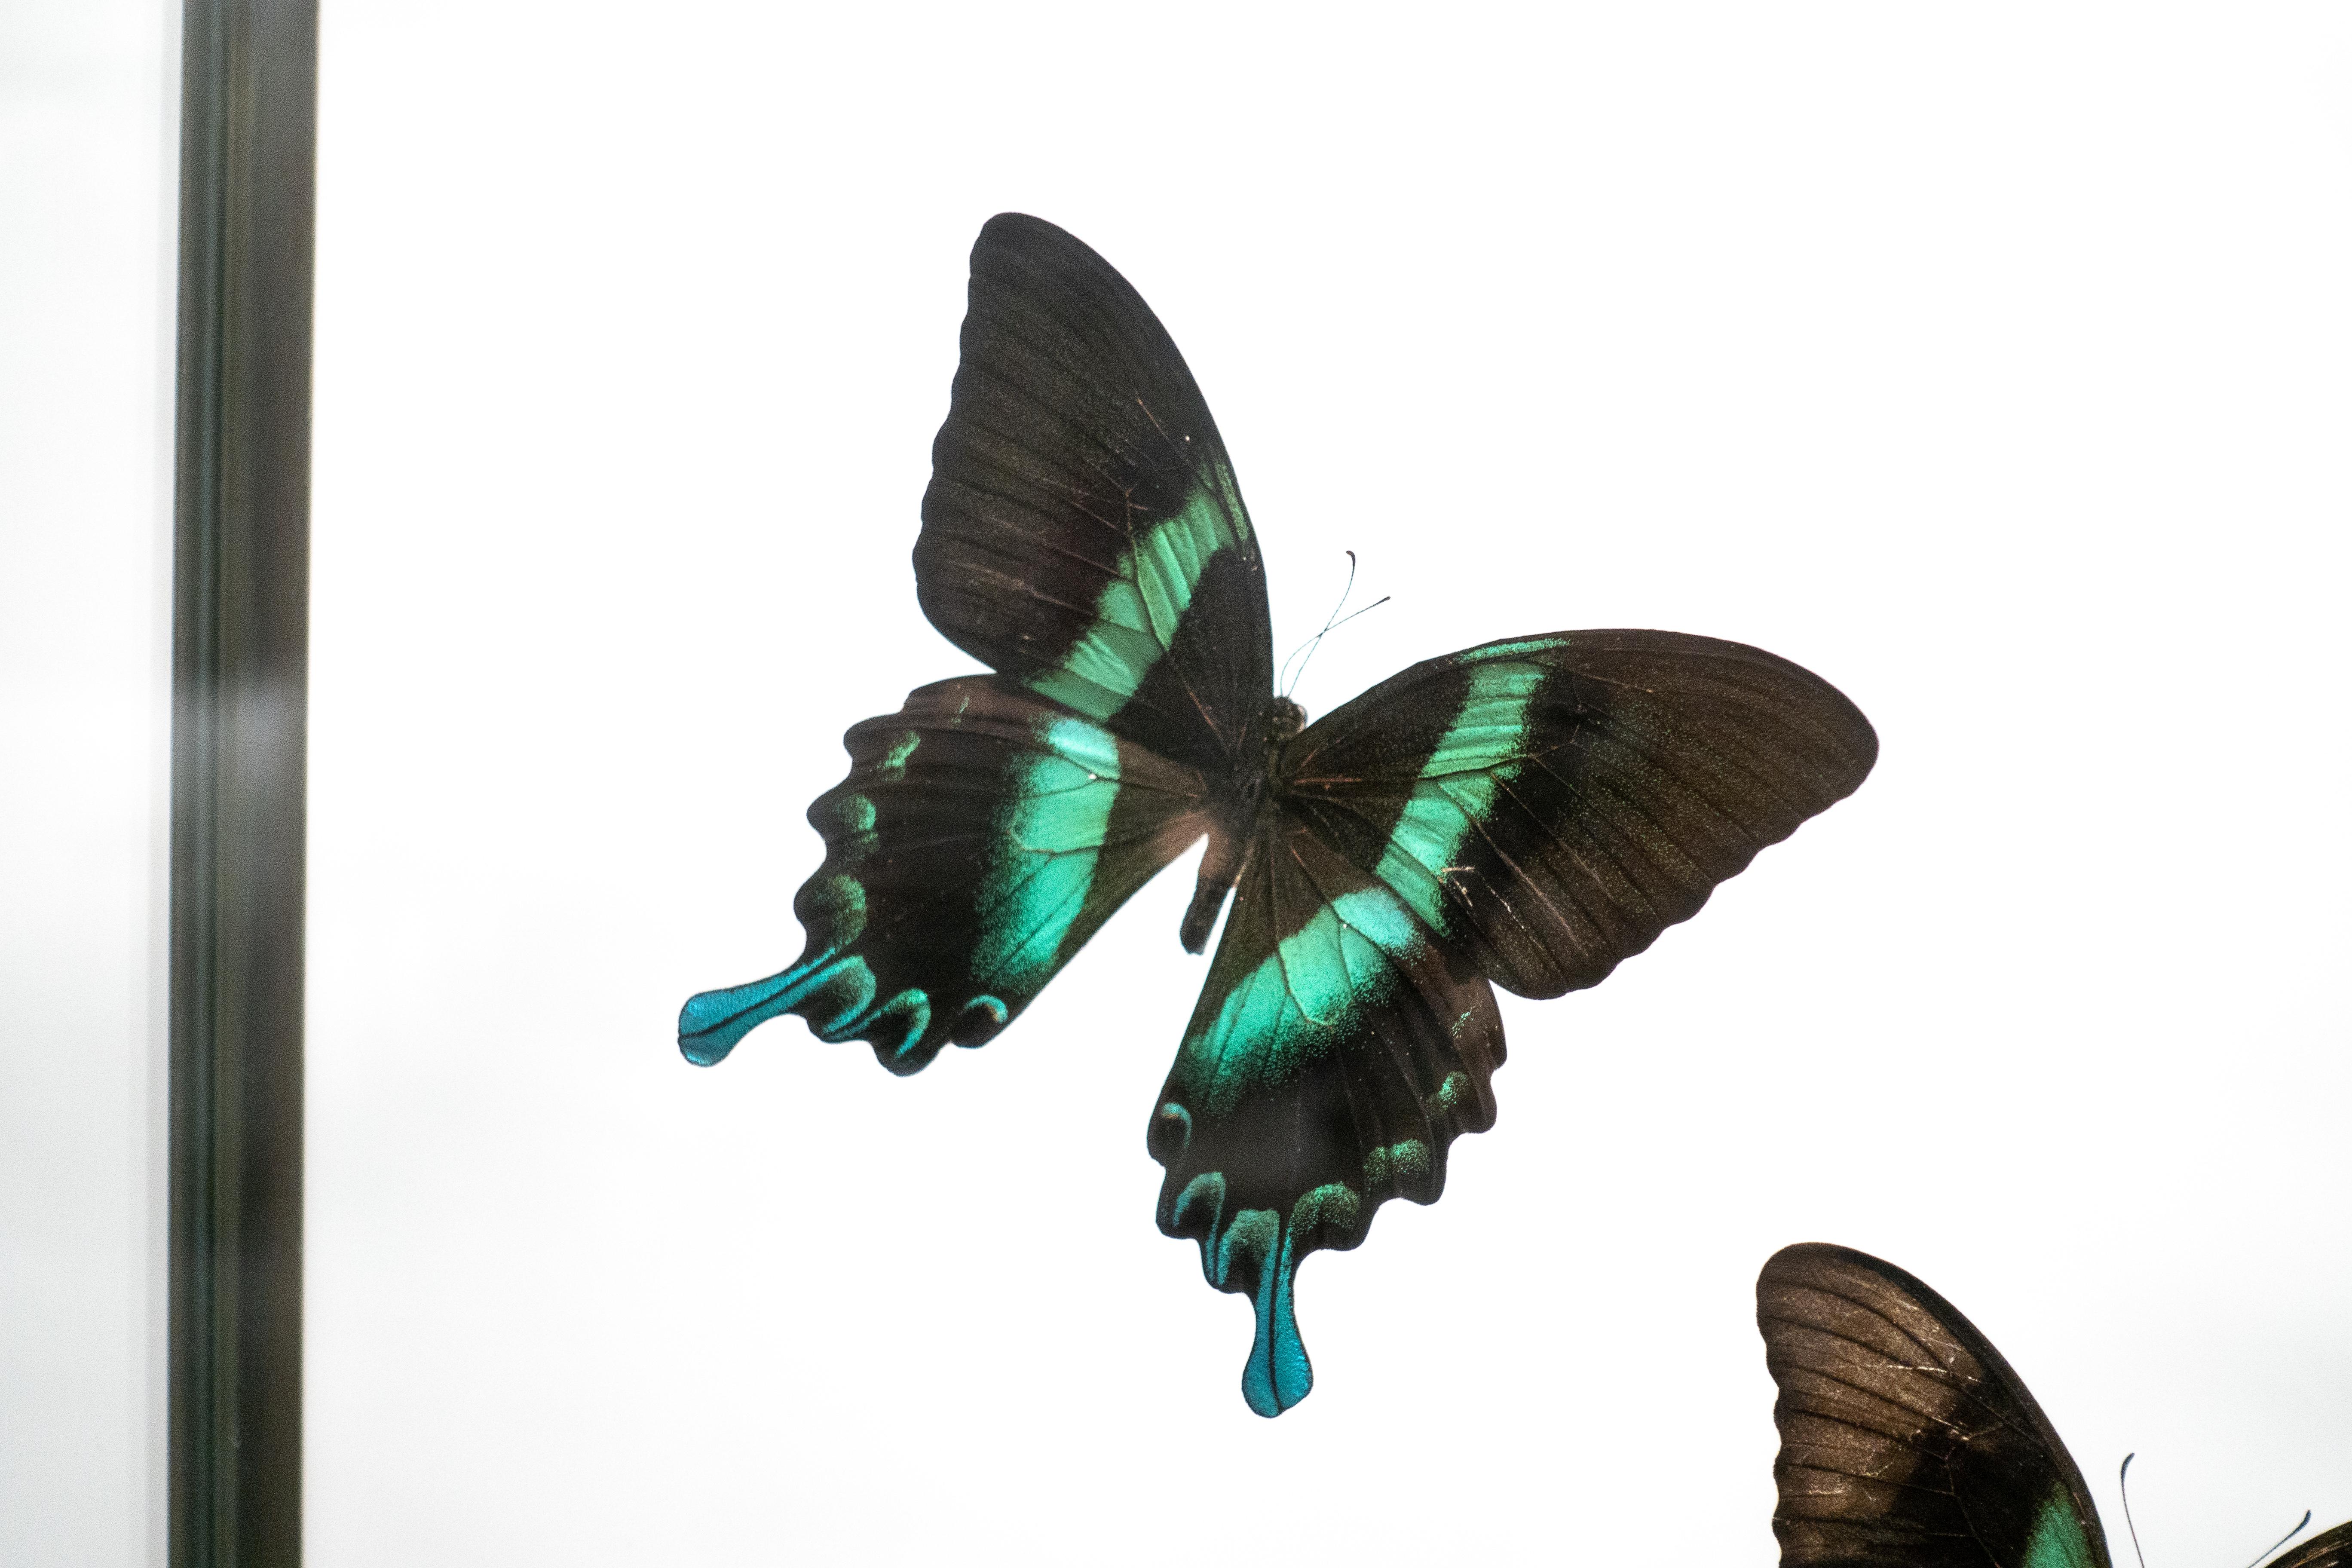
column 2331, row 1550
column 1905, row 1439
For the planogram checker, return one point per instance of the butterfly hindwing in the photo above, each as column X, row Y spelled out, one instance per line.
column 1905, row 1439
column 1333, row 1056
column 1548, row 804
column 981, row 836
column 1082, row 533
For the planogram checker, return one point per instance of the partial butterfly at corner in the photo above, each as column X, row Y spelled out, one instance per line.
column 1524, row 813
column 1907, row 1441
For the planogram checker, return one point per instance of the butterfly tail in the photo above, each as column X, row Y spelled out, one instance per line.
column 1278, row 1375
column 1252, row 1252
column 710, row 1023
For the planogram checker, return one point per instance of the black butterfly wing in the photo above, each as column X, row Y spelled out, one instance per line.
column 1529, row 811
column 1082, row 533
column 1333, row 1056
column 1548, row 806
column 1907, row 1441
column 2332, row 1549
column 983, row 835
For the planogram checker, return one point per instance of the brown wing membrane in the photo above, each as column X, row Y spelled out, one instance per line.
column 1905, row 1440
column 1335, row 1055
column 1549, row 805
column 981, row 836
column 1083, row 532
column 2331, row 1550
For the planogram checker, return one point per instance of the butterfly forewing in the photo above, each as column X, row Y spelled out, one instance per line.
column 981, row 836
column 1548, row 804
column 2331, row 1550
column 1905, row 1440
column 1082, row 533
column 1334, row 1055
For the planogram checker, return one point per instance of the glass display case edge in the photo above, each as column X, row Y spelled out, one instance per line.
column 239, row 662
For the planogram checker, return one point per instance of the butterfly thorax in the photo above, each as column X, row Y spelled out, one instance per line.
column 1239, row 811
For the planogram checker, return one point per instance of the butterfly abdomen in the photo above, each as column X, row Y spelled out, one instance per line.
column 1243, row 806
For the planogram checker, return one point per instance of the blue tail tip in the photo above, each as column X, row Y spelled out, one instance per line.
column 711, row 1022
column 1277, row 1374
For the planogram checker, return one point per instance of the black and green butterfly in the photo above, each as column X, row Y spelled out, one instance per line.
column 1905, row 1439
column 1525, row 813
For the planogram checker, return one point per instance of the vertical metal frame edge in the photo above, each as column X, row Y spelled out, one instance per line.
column 239, row 678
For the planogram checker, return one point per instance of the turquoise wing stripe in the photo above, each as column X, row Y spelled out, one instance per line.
column 1295, row 1006
column 1135, row 615
column 1314, row 982
column 981, row 836
column 1475, row 758
column 2058, row 1540
column 1051, row 836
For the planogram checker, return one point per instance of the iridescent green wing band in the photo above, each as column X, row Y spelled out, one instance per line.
column 1142, row 608
column 1333, row 1057
column 1082, row 533
column 1907, row 1441
column 981, row 836
column 1528, row 813
column 1548, row 804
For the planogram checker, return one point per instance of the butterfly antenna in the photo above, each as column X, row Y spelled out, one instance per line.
column 1332, row 623
column 1310, row 646
column 2123, row 1485
column 1359, row 610
column 2283, row 1540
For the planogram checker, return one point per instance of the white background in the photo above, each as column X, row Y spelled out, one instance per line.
column 1991, row 362
column 88, row 190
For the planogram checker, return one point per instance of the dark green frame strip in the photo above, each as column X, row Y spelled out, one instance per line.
column 240, row 641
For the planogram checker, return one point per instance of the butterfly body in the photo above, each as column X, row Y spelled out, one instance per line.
column 1526, row 812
